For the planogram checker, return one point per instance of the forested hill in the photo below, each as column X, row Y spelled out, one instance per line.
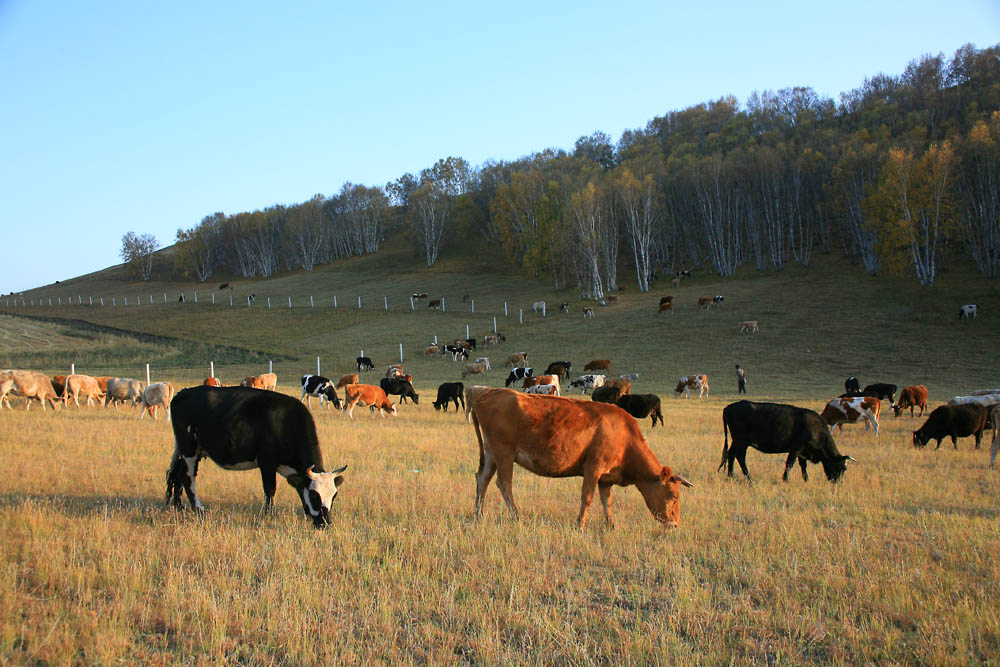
column 900, row 175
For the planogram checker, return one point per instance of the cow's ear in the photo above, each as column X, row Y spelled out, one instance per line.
column 338, row 480
column 665, row 474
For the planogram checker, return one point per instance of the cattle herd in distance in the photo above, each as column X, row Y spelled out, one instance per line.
column 211, row 420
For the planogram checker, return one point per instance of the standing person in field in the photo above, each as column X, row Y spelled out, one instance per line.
column 741, row 379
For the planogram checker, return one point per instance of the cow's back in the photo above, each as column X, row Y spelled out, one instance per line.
column 553, row 436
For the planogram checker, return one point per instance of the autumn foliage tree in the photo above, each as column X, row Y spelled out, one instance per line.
column 137, row 252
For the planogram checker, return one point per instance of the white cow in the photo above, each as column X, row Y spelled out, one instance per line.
column 156, row 395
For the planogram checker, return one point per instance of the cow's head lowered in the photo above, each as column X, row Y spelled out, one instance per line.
column 318, row 489
column 663, row 496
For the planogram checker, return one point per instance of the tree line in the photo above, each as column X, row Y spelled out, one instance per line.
column 899, row 175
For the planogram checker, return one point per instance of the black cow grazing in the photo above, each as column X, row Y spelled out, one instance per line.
column 320, row 387
column 365, row 364
column 517, row 374
column 400, row 387
column 852, row 387
column 606, row 395
column 241, row 428
column 774, row 428
column 880, row 390
column 450, row 391
column 225, row 286
column 471, row 341
column 956, row 421
column 641, row 406
column 555, row 366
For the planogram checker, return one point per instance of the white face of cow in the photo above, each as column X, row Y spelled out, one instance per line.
column 319, row 493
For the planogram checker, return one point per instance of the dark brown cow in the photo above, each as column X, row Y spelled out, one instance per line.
column 598, row 364
column 561, row 437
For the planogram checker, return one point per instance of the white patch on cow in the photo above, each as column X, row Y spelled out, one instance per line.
column 192, row 463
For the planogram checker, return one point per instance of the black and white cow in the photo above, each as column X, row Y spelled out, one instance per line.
column 587, row 383
column 457, row 352
column 320, row 387
column 400, row 387
column 718, row 299
column 365, row 364
column 447, row 392
column 517, row 374
column 969, row 311
column 242, row 428
column 774, row 428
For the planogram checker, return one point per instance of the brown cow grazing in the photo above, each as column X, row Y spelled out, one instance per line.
column 345, row 380
column 748, row 326
column 253, row 381
column 705, row 302
column 518, row 359
column 82, row 384
column 155, row 396
column 434, row 304
column 270, row 380
column 598, row 364
column 431, row 350
column 477, row 368
column 851, row 410
column 560, row 437
column 367, row 394
column 212, row 382
column 28, row 384
column 666, row 299
column 914, row 396
column 668, row 305
column 59, row 384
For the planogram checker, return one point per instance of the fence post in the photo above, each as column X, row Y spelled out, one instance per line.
column 211, row 369
column 270, row 366
column 466, row 331
column 196, row 296
column 400, row 353
column 505, row 309
column 126, row 301
column 102, row 302
column 230, row 300
column 213, row 298
column 147, row 375
column 334, row 300
column 359, row 303
column 91, row 300
column 317, row 366
column 473, row 305
column 386, row 300
column 543, row 309
column 520, row 315
column 165, row 297
column 494, row 324
column 60, row 300
column 443, row 309
column 268, row 302
column 114, row 302
column 312, row 305
column 289, row 302
column 72, row 370
column 150, row 300
column 411, row 303
column 50, row 300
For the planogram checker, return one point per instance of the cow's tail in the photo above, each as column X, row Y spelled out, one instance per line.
column 471, row 412
column 725, row 441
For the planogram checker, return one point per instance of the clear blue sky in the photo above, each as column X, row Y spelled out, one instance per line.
column 145, row 117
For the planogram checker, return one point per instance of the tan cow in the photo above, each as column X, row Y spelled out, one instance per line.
column 367, row 394
column 431, row 350
column 477, row 368
column 253, row 381
column 624, row 386
column 122, row 390
column 154, row 396
column 517, row 359
column 82, row 384
column 851, row 410
column 688, row 383
column 29, row 385
column 560, row 437
column 748, row 326
column 345, row 380
column 270, row 380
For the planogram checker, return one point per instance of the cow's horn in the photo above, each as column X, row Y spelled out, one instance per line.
column 851, row 458
column 309, row 473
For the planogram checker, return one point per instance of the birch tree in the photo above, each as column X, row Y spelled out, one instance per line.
column 638, row 198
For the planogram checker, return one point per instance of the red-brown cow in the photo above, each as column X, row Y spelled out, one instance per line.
column 560, row 437
column 212, row 382
column 911, row 397
column 367, row 394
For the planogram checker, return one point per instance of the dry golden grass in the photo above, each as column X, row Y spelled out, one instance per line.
column 897, row 563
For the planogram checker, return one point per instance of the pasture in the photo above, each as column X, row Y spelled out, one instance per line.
column 896, row 563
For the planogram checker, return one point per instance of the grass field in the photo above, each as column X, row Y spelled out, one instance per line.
column 897, row 563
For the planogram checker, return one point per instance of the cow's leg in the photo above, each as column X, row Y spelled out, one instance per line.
column 505, row 481
column 269, row 478
column 487, row 468
column 789, row 462
column 605, row 491
column 995, row 447
column 741, row 456
column 805, row 473
column 590, row 478
column 978, row 435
